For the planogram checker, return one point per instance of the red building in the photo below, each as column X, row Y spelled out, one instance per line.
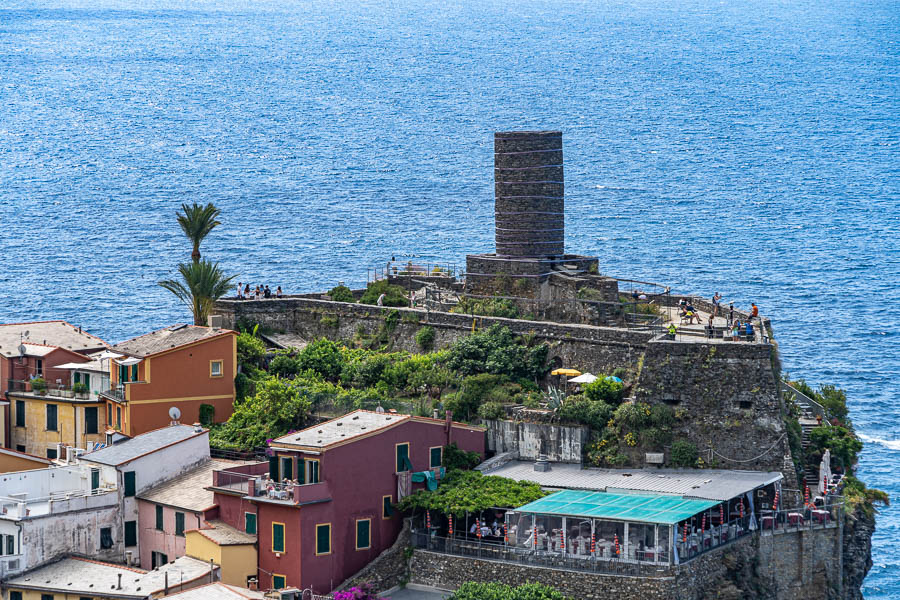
column 329, row 509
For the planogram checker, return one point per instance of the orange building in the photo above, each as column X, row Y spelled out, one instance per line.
column 185, row 366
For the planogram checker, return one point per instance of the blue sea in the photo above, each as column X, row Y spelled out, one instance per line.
column 749, row 148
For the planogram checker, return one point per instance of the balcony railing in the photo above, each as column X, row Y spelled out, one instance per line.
column 116, row 393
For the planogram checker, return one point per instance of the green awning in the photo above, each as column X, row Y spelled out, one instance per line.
column 639, row 508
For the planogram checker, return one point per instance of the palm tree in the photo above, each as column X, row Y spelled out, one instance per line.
column 196, row 223
column 202, row 283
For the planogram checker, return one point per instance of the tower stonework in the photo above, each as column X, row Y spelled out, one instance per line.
column 529, row 204
column 529, row 222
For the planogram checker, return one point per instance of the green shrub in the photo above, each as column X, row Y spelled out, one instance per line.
column 491, row 410
column 605, row 390
column 250, row 350
column 655, row 437
column 277, row 407
column 662, row 416
column 80, row 388
column 341, row 293
column 329, row 321
column 580, row 409
column 633, row 416
column 473, row 391
column 501, row 591
column 471, row 491
column 322, row 356
column 486, row 307
column 842, row 442
column 497, row 350
column 394, row 295
column 38, row 384
column 284, row 365
column 683, row 454
column 243, row 387
column 207, row 414
column 425, row 337
column 454, row 458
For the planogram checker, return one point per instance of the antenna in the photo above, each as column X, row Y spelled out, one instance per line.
column 174, row 414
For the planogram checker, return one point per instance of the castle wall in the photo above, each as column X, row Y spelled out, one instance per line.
column 558, row 442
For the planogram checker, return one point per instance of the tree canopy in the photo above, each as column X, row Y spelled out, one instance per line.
column 197, row 221
column 501, row 591
column 471, row 491
column 202, row 283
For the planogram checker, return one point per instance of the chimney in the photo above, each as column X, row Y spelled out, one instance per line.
column 215, row 321
column 542, row 465
column 166, row 584
column 212, row 571
column 252, row 584
column 119, row 587
column 198, row 428
column 70, row 455
column 529, row 205
column 128, row 555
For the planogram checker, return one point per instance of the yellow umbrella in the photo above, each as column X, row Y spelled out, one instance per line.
column 566, row 372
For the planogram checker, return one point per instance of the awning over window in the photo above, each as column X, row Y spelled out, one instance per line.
column 622, row 507
column 127, row 362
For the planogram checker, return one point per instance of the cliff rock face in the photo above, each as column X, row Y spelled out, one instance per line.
column 858, row 530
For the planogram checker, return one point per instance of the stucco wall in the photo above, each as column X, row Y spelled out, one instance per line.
column 560, row 443
column 150, row 539
column 70, row 428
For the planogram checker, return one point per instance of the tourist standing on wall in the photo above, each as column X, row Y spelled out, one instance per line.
column 240, row 293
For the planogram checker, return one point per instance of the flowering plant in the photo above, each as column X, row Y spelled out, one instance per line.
column 363, row 592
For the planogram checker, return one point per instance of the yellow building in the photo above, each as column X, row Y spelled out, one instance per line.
column 233, row 550
column 40, row 422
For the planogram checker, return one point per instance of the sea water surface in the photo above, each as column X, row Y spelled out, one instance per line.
column 749, row 148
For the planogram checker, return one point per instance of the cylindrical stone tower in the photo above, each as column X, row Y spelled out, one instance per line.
column 529, row 209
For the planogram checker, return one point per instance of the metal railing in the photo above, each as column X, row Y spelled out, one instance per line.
column 591, row 563
column 804, row 401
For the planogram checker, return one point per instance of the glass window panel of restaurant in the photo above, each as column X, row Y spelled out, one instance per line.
column 641, row 541
column 549, row 528
column 662, row 543
column 519, row 527
column 605, row 533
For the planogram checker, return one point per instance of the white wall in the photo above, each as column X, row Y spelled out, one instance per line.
column 40, row 483
column 48, row 538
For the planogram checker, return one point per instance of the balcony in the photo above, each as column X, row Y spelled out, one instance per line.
column 53, row 390
column 11, row 564
column 257, row 487
column 116, row 393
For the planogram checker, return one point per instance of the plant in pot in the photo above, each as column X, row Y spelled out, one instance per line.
column 39, row 385
column 80, row 389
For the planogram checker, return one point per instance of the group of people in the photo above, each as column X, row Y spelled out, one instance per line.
column 261, row 291
column 495, row 530
column 271, row 489
column 736, row 326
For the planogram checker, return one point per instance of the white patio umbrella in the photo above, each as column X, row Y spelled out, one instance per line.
column 584, row 378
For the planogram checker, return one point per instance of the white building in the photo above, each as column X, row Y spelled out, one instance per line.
column 142, row 462
column 47, row 513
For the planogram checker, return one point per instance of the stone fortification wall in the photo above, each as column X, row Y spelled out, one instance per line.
column 731, row 394
column 595, row 349
column 389, row 569
column 559, row 443
column 803, row 565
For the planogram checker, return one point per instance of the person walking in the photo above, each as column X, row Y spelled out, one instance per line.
column 731, row 314
column 240, row 289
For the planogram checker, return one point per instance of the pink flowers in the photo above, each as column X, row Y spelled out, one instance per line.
column 363, row 592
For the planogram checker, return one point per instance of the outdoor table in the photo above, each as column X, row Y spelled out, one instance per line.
column 767, row 521
column 820, row 516
column 795, row 518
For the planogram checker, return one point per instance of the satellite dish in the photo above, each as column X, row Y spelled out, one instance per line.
column 27, row 333
column 21, row 349
column 175, row 413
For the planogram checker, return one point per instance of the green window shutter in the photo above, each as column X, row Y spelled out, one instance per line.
column 129, row 484
column 402, row 457
column 278, row 582
column 86, row 379
column 90, row 419
column 95, row 479
column 313, row 471
column 123, row 373
column 14, row 595
column 273, row 468
column 363, row 533
column 323, row 539
column 76, row 378
column 109, row 419
column 250, row 523
column 10, row 545
column 118, row 417
column 277, row 537
column 179, row 524
column 131, row 533
column 51, row 417
column 134, row 372
column 436, row 457
column 301, row 469
column 159, row 517
column 20, row 413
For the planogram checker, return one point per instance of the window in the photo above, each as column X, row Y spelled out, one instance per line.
column 14, row 595
column 273, row 467
column 51, row 453
column 129, row 484
column 277, row 537
column 119, row 417
column 90, row 419
column 312, row 471
column 363, row 534
column 250, row 523
column 179, row 524
column 20, row 448
column 279, row 582
column 403, row 463
column 84, row 378
column 746, row 404
column 287, row 468
column 215, row 368
column 109, row 414
column 10, row 544
column 437, row 454
column 106, row 541
column 95, row 479
column 123, row 374
column 323, row 539
column 387, row 510
column 51, row 417
column 134, row 372
column 159, row 517
column 46, row 596
column 20, row 413
column 40, row 368
column 131, row 533
column 158, row 559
